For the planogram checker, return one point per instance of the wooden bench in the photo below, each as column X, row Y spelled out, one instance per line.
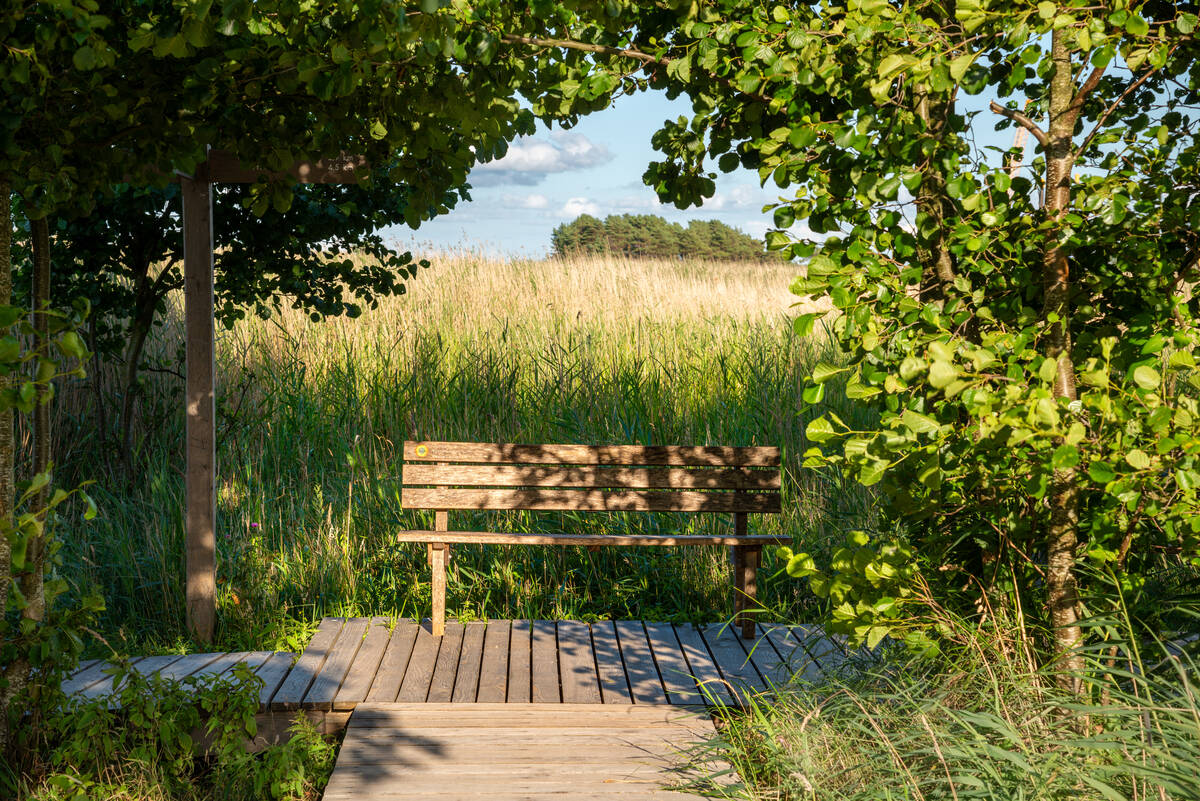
column 445, row 476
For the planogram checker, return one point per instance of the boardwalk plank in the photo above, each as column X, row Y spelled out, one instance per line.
column 392, row 667
column 493, row 675
column 273, row 671
column 291, row 693
column 466, row 680
column 187, row 666
column 329, row 679
column 519, row 653
column 417, row 678
column 222, row 664
column 577, row 664
column 145, row 665
column 807, row 652
column 672, row 665
column 644, row 682
column 464, row 716
column 731, row 658
column 85, row 678
column 766, row 659
column 708, row 677
column 543, row 665
column 361, row 674
column 441, row 688
column 614, row 686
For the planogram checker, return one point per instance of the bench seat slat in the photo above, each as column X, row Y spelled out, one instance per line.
column 503, row 538
column 672, row 455
column 590, row 500
column 597, row 476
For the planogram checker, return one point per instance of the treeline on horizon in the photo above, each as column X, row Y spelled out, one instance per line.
column 651, row 236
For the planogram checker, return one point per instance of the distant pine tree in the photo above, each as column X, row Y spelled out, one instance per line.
column 651, row 236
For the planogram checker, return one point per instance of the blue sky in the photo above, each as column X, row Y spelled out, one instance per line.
column 594, row 168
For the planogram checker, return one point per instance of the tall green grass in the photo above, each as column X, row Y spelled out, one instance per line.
column 313, row 416
column 983, row 725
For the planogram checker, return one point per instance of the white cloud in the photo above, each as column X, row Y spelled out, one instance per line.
column 579, row 205
column 530, row 201
column 529, row 160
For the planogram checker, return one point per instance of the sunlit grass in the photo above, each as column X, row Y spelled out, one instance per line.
column 313, row 416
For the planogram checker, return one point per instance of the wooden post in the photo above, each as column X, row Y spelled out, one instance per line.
column 745, row 576
column 438, row 553
column 200, row 402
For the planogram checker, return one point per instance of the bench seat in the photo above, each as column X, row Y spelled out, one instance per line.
column 508, row 538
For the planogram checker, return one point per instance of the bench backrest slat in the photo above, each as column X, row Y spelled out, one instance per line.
column 598, row 476
column 663, row 455
column 593, row 500
column 473, row 475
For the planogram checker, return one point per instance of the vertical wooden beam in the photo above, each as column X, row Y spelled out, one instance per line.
column 200, row 476
column 745, row 576
column 438, row 556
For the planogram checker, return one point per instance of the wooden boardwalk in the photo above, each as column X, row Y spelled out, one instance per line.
column 352, row 661
column 506, row 752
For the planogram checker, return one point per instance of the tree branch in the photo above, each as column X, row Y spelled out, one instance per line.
column 1103, row 118
column 586, row 47
column 1023, row 121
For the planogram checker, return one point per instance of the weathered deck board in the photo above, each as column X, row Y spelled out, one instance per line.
column 493, row 676
column 544, row 663
column 708, row 677
column 736, row 667
column 672, row 666
column 577, row 664
column 519, row 652
column 415, row 686
column 644, row 682
column 441, row 688
column 544, row 751
column 333, row 672
column 614, row 686
column 291, row 693
column 392, row 668
column 470, row 661
column 361, row 674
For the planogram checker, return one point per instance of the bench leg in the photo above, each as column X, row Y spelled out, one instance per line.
column 748, row 587
column 438, row 552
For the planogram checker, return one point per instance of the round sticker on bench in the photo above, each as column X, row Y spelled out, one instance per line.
column 422, row 450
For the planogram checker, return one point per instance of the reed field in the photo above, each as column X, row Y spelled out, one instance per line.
column 312, row 416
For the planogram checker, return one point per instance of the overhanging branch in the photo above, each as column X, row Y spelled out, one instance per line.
column 1022, row 120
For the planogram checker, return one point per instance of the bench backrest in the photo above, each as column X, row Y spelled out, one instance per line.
column 614, row 478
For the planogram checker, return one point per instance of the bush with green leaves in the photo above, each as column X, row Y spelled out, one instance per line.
column 1024, row 331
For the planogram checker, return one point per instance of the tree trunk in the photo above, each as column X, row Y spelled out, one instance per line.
column 32, row 580
column 11, row 673
column 936, row 260
column 1062, row 535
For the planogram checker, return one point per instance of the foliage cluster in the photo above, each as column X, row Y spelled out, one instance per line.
column 1024, row 332
column 648, row 235
column 184, row 739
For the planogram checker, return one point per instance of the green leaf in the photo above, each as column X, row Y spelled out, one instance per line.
column 1146, row 377
column 814, row 394
column 1065, row 456
column 1101, row 472
column 805, row 323
column 941, row 374
column 84, row 58
column 919, row 423
column 960, row 65
column 1046, row 10
column 1137, row 459
column 1136, row 25
column 819, row 430
column 825, row 371
column 378, row 130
